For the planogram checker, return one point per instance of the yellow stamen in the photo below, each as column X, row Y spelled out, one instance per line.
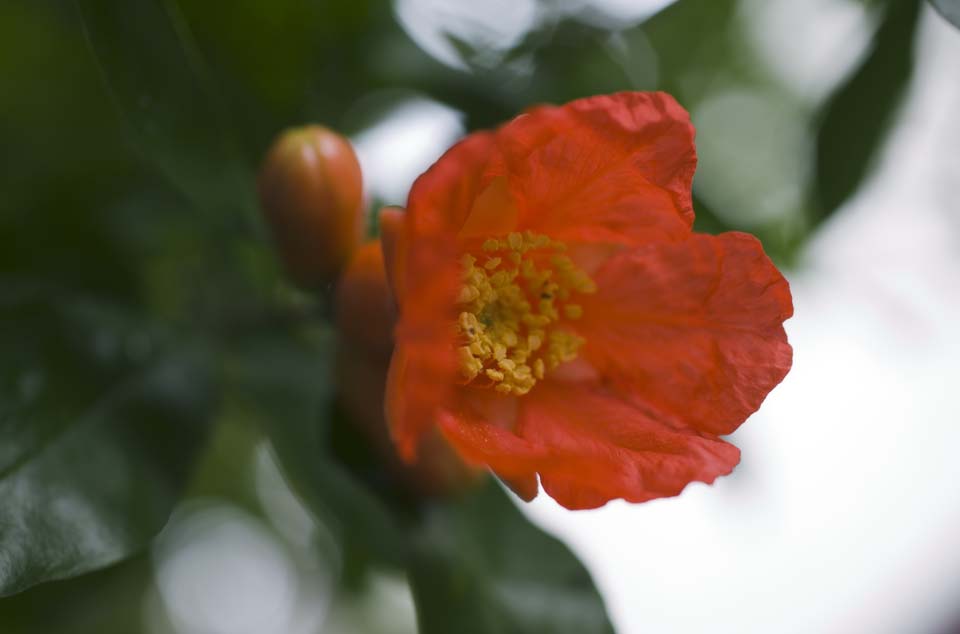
column 509, row 329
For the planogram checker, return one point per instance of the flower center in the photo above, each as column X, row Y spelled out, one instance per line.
column 510, row 329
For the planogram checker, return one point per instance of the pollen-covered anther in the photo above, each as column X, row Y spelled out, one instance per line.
column 512, row 306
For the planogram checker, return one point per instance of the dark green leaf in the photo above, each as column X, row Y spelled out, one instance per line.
column 480, row 567
column 949, row 9
column 100, row 416
column 80, row 602
column 856, row 116
column 158, row 81
column 287, row 383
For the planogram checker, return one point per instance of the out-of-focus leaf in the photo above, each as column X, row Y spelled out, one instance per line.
column 80, row 602
column 703, row 60
column 583, row 62
column 158, row 82
column 692, row 40
column 555, row 63
column 857, row 114
column 100, row 417
column 60, row 137
column 480, row 567
column 287, row 383
column 949, row 9
column 264, row 57
column 706, row 219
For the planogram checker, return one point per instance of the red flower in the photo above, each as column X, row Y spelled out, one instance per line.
column 559, row 318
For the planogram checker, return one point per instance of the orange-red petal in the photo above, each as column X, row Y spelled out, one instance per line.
column 419, row 381
column 684, row 336
column 423, row 370
column 481, row 442
column 632, row 455
column 493, row 212
column 442, row 197
column 692, row 329
column 589, row 446
column 612, row 168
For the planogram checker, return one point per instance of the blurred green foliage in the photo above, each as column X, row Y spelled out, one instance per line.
column 854, row 118
column 142, row 311
column 949, row 9
column 479, row 566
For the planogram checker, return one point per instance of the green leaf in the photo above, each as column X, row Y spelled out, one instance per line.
column 480, row 567
column 100, row 417
column 858, row 113
column 80, row 602
column 693, row 44
column 158, row 81
column 288, row 385
column 949, row 9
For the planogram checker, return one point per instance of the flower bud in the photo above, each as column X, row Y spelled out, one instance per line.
column 391, row 237
column 365, row 318
column 311, row 193
column 365, row 313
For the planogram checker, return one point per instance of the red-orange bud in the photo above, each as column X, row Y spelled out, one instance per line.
column 391, row 229
column 311, row 193
column 366, row 314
